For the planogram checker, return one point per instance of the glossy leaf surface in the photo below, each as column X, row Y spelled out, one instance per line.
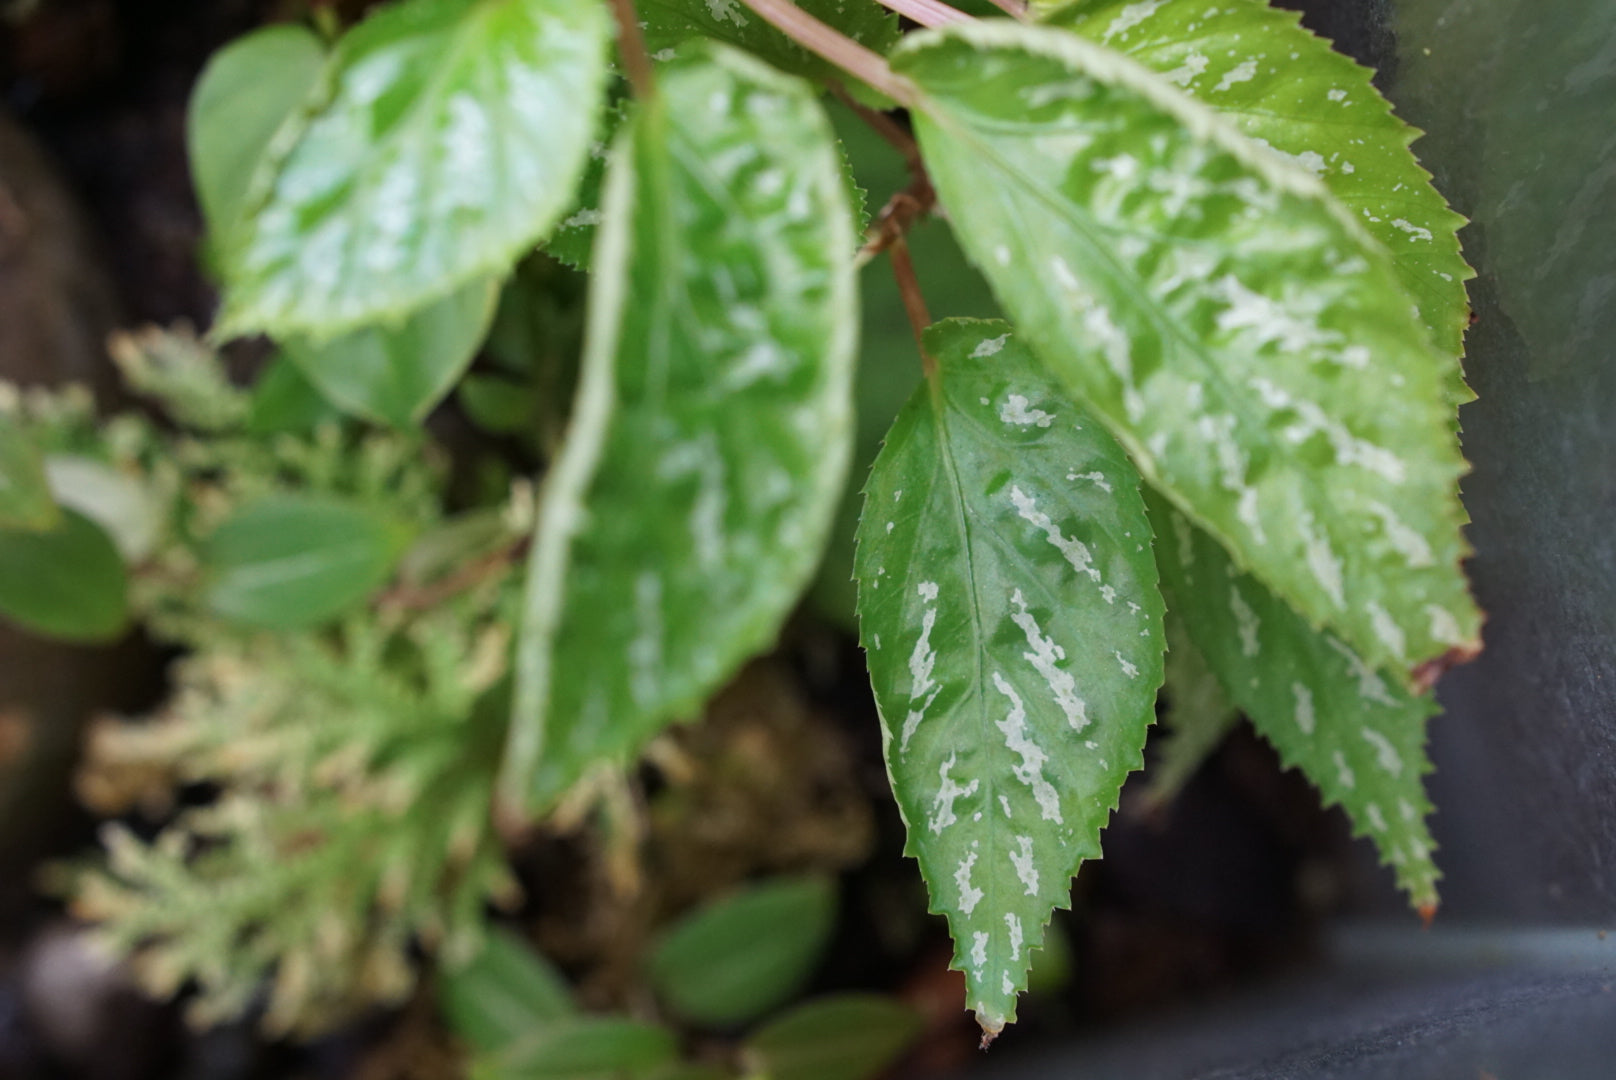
column 294, row 560
column 1230, row 323
column 711, row 433
column 1358, row 735
column 1012, row 625
column 395, row 374
column 742, row 955
column 1283, row 86
column 446, row 142
column 67, row 582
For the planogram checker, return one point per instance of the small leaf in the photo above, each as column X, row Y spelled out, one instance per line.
column 283, row 400
column 1283, row 86
column 114, row 500
column 447, row 142
column 503, row 994
column 1198, row 717
column 712, row 430
column 251, row 90
column 1360, row 737
column 741, row 956
column 848, row 1037
column 1010, row 618
column 295, row 560
column 1230, row 323
column 583, row 1048
column 396, row 374
column 67, row 582
column 25, row 497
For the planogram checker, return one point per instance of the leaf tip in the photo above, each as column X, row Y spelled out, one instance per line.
column 1427, row 913
column 992, row 1028
column 1425, row 675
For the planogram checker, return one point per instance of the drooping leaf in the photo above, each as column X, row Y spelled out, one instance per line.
column 292, row 560
column 25, row 497
column 744, row 954
column 503, row 995
column 1199, row 716
column 847, row 1037
column 395, row 374
column 1231, row 324
column 1281, row 85
column 711, row 434
column 1358, row 735
column 252, row 90
column 670, row 24
column 67, row 582
column 583, row 1048
column 1012, row 625
column 447, row 142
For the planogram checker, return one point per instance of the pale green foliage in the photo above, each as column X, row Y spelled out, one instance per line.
column 1359, row 736
column 1282, row 86
column 445, row 141
column 847, row 1037
column 25, row 497
column 1008, row 606
column 396, row 374
column 1225, row 318
column 64, row 582
column 355, row 774
column 712, row 427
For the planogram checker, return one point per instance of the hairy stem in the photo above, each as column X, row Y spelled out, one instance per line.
column 631, row 46
column 835, row 47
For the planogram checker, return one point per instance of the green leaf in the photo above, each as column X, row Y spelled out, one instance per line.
column 669, row 24
column 293, row 560
column 1281, row 85
column 1010, row 617
column 498, row 405
column 741, row 956
column 67, row 582
column 848, row 1037
column 1359, row 736
column 283, row 400
column 503, row 994
column 446, row 143
column 1231, row 324
column 583, row 1048
column 251, row 90
column 25, row 497
column 115, row 500
column 1199, row 716
column 396, row 374
column 712, row 431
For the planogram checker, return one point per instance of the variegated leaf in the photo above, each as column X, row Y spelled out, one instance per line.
column 1284, row 87
column 1358, row 735
column 1232, row 324
column 1009, row 612
column 710, row 439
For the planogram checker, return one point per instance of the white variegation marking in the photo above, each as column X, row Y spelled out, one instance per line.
column 1013, row 925
column 1016, row 410
column 1386, row 629
column 1131, row 16
column 922, row 661
column 990, row 347
column 1019, row 742
column 1075, row 551
column 1045, row 658
column 1305, row 716
column 1022, row 860
column 1385, row 752
column 969, row 895
column 1343, row 771
column 979, row 951
column 1247, row 624
column 942, row 807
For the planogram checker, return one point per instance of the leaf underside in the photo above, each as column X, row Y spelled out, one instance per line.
column 1284, row 86
column 1359, row 736
column 1229, row 322
column 710, row 440
column 446, row 141
column 1013, row 629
